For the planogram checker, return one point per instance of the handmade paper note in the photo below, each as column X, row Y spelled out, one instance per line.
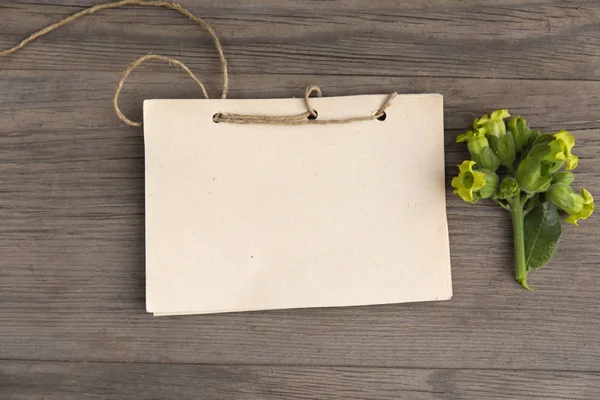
column 252, row 217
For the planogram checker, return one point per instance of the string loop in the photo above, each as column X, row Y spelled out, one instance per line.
column 300, row 119
column 296, row 119
column 309, row 91
column 136, row 64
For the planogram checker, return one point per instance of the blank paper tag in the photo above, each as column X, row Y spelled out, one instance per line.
column 252, row 217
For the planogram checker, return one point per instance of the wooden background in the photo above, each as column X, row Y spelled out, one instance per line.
column 72, row 318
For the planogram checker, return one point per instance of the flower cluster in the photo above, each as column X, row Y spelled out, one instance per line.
column 539, row 158
column 529, row 174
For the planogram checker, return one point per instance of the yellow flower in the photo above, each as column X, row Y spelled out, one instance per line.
column 578, row 206
column 469, row 182
column 586, row 210
column 479, row 148
column 560, row 149
column 494, row 124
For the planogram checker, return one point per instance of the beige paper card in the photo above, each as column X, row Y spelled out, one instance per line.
column 254, row 217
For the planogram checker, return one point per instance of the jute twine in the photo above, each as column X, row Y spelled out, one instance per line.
column 308, row 117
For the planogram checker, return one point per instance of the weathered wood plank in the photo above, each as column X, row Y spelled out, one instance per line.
column 65, row 381
column 501, row 39
column 71, row 182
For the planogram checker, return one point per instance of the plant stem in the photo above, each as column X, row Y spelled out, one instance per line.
column 516, row 210
column 502, row 204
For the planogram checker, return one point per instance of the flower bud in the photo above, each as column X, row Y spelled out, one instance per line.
column 504, row 148
column 480, row 150
column 508, row 188
column 533, row 176
column 494, row 124
column 491, row 184
column 535, row 133
column 521, row 132
column 565, row 177
column 540, row 145
column 472, row 185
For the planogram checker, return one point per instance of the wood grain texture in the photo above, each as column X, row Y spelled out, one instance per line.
column 501, row 39
column 74, row 381
column 72, row 195
column 72, row 240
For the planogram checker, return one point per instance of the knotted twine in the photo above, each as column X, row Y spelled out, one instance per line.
column 307, row 117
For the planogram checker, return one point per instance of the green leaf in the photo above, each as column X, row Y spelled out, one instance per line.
column 542, row 232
